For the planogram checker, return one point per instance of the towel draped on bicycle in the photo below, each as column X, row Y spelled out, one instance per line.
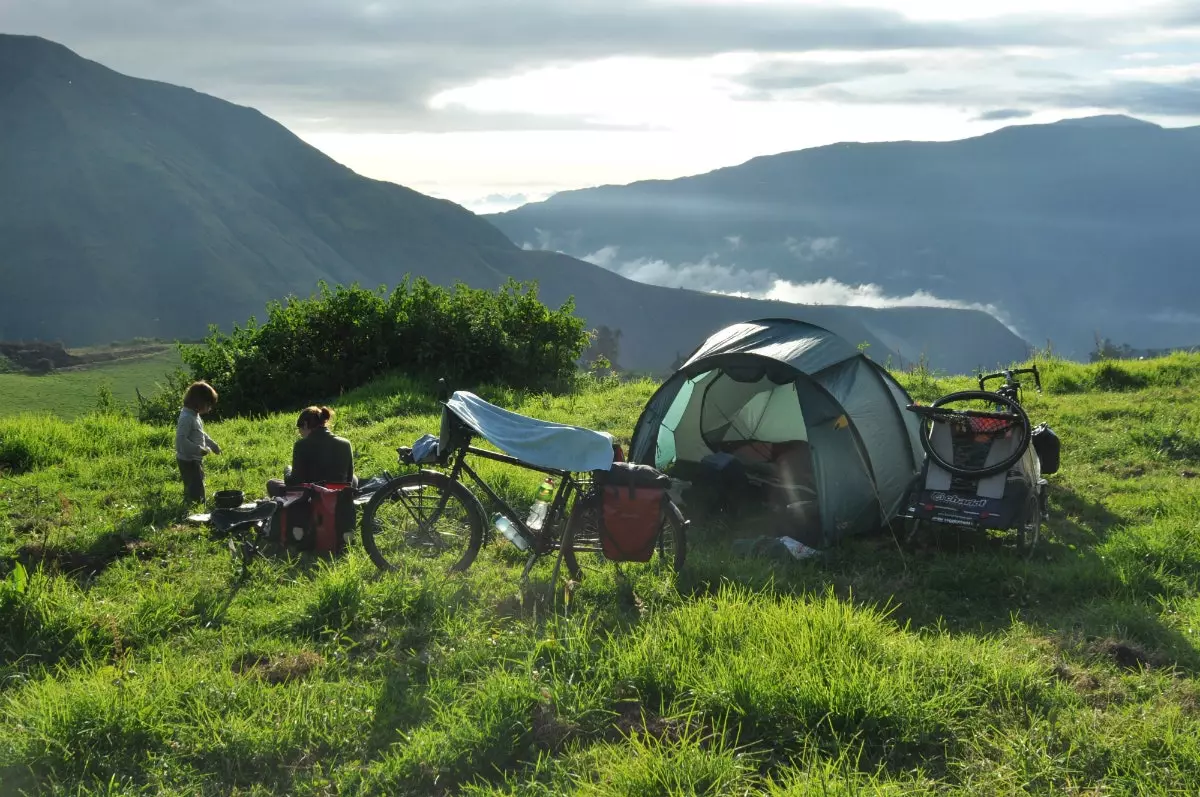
column 616, row 510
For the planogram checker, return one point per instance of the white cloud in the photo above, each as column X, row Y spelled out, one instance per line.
column 500, row 202
column 809, row 249
column 705, row 275
column 831, row 291
column 1171, row 73
column 713, row 277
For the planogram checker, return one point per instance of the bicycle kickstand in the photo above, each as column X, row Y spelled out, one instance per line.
column 533, row 557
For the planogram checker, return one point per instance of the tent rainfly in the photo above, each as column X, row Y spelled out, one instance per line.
column 803, row 410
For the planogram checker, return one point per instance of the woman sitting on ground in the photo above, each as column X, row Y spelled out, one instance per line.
column 318, row 457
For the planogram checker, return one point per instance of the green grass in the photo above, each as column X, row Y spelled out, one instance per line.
column 135, row 662
column 73, row 392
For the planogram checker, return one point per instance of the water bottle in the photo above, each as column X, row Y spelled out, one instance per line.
column 505, row 527
column 537, row 512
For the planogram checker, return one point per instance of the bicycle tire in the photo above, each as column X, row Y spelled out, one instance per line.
column 412, row 482
column 586, row 507
column 977, row 395
column 1030, row 529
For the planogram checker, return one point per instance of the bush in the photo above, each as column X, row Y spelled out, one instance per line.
column 317, row 348
column 163, row 405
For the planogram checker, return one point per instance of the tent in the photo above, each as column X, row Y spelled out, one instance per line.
column 808, row 417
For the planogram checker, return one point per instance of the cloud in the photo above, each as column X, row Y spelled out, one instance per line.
column 831, row 291
column 705, row 275
column 1175, row 98
column 498, row 203
column 807, row 250
column 713, row 277
column 1179, row 96
column 1000, row 114
column 765, row 79
column 377, row 63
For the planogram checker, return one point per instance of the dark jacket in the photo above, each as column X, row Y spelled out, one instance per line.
column 322, row 457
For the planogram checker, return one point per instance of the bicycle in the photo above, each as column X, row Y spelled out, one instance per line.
column 984, row 468
column 450, row 521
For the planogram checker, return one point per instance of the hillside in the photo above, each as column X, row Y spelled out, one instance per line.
column 138, row 663
column 135, row 208
column 1072, row 228
column 74, row 391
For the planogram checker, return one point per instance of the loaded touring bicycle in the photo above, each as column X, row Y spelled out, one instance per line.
column 590, row 503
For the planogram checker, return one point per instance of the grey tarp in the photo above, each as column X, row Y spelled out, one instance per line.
column 781, row 381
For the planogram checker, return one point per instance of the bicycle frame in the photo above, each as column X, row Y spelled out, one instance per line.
column 542, row 540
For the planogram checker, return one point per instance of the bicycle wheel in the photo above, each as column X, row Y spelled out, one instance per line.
column 426, row 514
column 581, row 542
column 927, row 415
column 672, row 540
column 1030, row 529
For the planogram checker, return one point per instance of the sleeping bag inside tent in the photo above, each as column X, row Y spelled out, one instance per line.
column 804, row 419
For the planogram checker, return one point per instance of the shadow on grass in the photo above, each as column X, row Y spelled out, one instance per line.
column 126, row 538
column 1085, row 602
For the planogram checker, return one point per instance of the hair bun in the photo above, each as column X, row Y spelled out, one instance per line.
column 326, row 413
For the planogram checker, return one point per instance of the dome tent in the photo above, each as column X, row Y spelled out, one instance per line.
column 808, row 416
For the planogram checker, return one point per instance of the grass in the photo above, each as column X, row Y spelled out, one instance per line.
column 133, row 660
column 73, row 392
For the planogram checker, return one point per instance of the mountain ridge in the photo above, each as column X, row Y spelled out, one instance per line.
column 1043, row 221
column 131, row 207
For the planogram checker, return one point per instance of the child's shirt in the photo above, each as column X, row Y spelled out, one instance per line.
column 192, row 443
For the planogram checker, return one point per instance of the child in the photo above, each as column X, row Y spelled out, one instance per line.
column 192, row 444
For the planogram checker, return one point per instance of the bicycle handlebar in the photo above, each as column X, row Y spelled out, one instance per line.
column 1008, row 377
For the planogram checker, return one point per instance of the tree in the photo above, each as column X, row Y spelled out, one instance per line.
column 606, row 344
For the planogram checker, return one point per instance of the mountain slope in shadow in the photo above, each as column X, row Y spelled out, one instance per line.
column 130, row 208
column 1075, row 228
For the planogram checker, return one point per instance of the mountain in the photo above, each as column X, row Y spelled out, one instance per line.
column 130, row 208
column 1069, row 229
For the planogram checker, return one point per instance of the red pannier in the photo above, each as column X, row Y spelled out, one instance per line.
column 633, row 503
column 316, row 517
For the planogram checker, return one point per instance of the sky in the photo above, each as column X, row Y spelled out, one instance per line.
column 491, row 103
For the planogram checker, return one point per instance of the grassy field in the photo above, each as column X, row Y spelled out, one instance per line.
column 73, row 392
column 136, row 662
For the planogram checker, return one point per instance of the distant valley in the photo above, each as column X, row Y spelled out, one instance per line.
column 1070, row 230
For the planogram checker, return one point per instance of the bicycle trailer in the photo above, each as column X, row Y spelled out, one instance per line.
column 983, row 469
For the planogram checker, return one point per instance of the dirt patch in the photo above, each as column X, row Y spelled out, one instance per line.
column 1123, row 471
column 37, row 356
column 534, row 600
column 81, row 564
column 1125, row 655
column 1080, row 681
column 278, row 668
column 550, row 731
column 632, row 717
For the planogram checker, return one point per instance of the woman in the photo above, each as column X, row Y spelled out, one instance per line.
column 318, row 457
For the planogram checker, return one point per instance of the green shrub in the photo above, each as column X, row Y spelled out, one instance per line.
column 162, row 407
column 317, row 348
